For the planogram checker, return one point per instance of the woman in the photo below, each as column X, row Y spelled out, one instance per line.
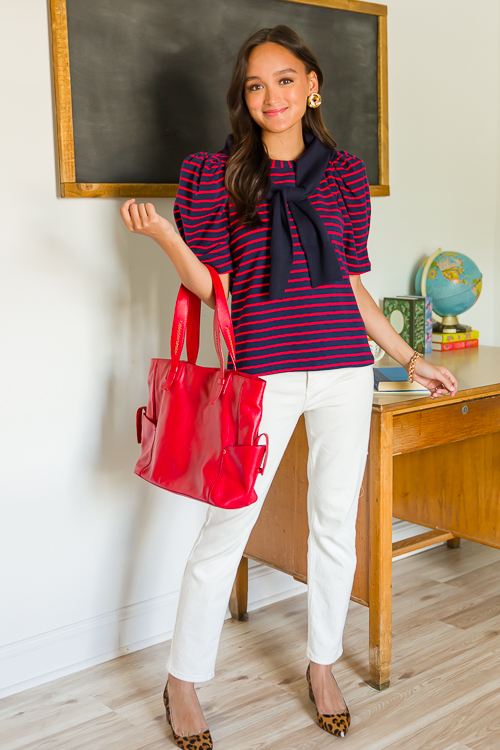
column 284, row 218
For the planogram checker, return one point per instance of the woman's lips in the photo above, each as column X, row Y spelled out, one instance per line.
column 275, row 112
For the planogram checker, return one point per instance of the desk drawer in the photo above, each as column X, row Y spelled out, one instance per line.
column 445, row 424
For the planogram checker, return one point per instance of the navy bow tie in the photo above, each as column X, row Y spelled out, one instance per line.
column 322, row 261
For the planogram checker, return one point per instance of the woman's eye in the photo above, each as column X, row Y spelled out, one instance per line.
column 256, row 86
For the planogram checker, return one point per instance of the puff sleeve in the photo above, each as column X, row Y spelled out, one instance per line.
column 200, row 210
column 352, row 181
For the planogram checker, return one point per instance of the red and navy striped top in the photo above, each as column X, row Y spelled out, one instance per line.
column 309, row 329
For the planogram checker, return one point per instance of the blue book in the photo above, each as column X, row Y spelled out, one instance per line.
column 395, row 380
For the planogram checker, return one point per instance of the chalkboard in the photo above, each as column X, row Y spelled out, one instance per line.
column 148, row 81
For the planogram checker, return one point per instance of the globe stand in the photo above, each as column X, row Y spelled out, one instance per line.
column 449, row 324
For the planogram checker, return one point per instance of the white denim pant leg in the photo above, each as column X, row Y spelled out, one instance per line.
column 211, row 567
column 337, row 415
column 212, row 564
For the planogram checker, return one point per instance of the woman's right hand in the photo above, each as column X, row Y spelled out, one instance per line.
column 142, row 219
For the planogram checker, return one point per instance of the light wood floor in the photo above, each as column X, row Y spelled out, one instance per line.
column 444, row 694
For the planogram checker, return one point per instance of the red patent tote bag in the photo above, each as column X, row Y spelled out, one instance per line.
column 199, row 432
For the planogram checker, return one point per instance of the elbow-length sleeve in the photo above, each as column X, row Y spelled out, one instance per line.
column 200, row 210
column 352, row 181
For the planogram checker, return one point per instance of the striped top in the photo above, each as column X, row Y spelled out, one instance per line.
column 310, row 328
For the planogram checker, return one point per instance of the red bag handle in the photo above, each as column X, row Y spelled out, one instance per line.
column 222, row 317
column 187, row 317
column 193, row 327
column 187, row 308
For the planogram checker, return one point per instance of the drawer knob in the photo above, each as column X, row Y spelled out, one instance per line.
column 465, row 409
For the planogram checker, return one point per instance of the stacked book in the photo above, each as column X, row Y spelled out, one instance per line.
column 395, row 380
column 444, row 342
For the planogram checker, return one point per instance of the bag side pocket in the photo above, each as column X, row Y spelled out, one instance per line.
column 147, row 434
column 238, row 469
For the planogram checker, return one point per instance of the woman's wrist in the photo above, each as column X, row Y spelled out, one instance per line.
column 192, row 272
column 395, row 346
column 412, row 366
column 380, row 330
column 406, row 358
column 167, row 240
column 405, row 355
column 411, row 360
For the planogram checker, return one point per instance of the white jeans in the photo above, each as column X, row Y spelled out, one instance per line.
column 337, row 407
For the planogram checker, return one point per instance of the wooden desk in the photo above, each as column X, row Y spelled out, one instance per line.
column 435, row 462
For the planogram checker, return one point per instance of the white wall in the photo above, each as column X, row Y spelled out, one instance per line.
column 496, row 277
column 91, row 556
column 443, row 147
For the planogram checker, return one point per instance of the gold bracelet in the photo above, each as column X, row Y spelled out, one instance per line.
column 411, row 366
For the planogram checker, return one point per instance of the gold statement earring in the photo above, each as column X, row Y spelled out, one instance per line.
column 314, row 100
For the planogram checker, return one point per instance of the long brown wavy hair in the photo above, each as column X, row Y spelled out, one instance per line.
column 247, row 171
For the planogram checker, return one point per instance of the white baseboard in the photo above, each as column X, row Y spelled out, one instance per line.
column 63, row 651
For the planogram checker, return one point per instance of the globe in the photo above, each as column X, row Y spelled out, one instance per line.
column 453, row 281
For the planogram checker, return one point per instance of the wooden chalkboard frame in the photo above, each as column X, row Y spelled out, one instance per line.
column 68, row 186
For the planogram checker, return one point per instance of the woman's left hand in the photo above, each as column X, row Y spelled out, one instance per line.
column 439, row 380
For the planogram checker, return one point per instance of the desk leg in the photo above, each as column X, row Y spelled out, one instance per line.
column 238, row 601
column 380, row 489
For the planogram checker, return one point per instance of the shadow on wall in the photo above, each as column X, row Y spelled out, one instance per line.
column 141, row 321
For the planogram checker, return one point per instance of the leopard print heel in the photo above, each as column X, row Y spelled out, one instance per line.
column 336, row 724
column 202, row 741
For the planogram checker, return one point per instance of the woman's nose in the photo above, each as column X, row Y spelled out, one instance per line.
column 272, row 96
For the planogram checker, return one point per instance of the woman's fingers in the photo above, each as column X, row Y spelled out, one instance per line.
column 143, row 213
column 136, row 218
column 438, row 379
column 448, row 380
column 436, row 392
column 142, row 219
column 130, row 215
column 125, row 214
column 439, row 389
column 444, row 383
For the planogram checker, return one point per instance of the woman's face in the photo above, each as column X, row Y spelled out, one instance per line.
column 277, row 87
